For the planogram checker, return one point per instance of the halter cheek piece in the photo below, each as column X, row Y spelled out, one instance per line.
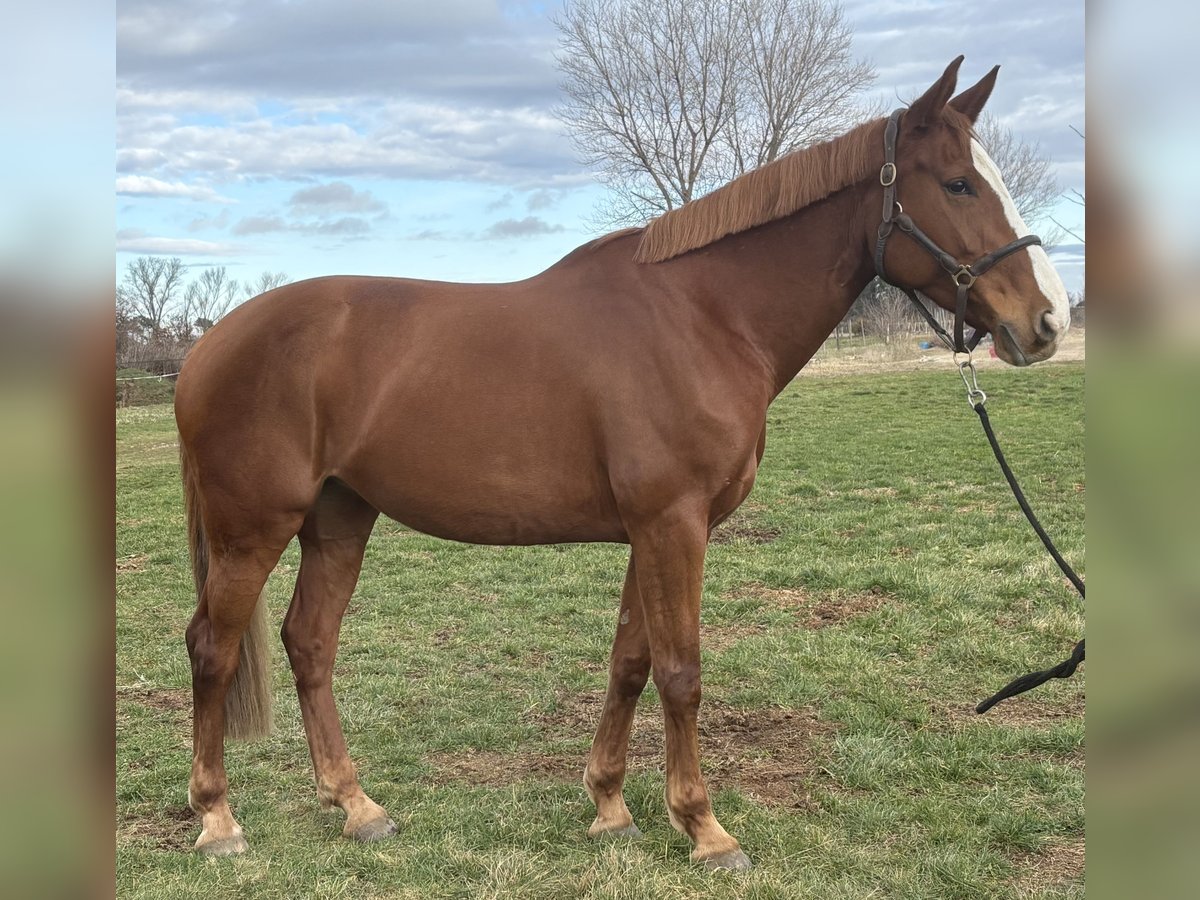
column 963, row 275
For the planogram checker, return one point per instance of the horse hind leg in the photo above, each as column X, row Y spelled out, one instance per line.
column 629, row 668
column 332, row 541
column 229, row 601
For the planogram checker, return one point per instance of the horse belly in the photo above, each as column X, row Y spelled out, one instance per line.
column 497, row 496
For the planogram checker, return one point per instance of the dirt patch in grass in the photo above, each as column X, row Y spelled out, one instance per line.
column 1024, row 711
column 174, row 829
column 819, row 609
column 172, row 699
column 133, row 563
column 492, row 768
column 745, row 529
column 1059, row 863
column 768, row 754
column 720, row 637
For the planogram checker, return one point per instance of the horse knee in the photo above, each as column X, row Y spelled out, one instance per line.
column 628, row 677
column 307, row 653
column 679, row 685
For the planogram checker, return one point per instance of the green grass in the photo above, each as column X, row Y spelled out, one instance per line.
column 138, row 387
column 879, row 581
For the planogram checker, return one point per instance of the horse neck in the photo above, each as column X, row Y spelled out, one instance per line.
column 784, row 286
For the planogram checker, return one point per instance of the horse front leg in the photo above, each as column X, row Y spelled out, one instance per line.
column 670, row 570
column 332, row 542
column 629, row 668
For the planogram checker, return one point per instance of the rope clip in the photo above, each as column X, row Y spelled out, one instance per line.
column 966, row 371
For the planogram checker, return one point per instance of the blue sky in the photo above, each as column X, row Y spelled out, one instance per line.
column 319, row 137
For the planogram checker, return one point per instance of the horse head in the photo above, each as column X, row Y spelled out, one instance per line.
column 945, row 184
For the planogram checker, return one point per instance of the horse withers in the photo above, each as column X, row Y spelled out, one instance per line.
column 621, row 396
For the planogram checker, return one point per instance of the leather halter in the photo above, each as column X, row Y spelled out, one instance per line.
column 963, row 275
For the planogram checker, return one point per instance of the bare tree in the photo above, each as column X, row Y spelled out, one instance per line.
column 672, row 98
column 798, row 84
column 1077, row 198
column 209, row 297
column 180, row 321
column 1026, row 171
column 127, row 328
column 267, row 281
column 151, row 284
column 889, row 311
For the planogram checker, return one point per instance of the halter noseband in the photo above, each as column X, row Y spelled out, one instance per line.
column 963, row 275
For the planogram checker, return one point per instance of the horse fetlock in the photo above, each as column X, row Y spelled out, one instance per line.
column 603, row 783
column 688, row 808
column 613, row 818
column 343, row 791
column 207, row 795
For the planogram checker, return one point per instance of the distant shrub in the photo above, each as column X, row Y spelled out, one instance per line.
column 135, row 389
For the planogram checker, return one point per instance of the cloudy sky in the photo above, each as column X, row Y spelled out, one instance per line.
column 318, row 137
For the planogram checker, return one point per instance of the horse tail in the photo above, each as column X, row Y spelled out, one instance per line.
column 248, row 712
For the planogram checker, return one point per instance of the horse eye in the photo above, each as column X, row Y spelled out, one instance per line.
column 959, row 186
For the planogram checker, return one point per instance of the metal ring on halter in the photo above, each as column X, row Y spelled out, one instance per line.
column 887, row 174
column 964, row 271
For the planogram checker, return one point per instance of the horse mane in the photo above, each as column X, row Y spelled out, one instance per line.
column 769, row 192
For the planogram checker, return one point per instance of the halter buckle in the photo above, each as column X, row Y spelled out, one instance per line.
column 964, row 277
column 887, row 174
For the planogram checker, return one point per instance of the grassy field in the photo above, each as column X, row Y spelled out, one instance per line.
column 877, row 583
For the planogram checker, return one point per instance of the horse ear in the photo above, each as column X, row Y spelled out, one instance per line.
column 970, row 102
column 927, row 108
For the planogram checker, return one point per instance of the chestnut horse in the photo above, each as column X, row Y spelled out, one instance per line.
column 621, row 396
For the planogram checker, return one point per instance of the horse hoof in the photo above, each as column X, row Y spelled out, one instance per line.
column 629, row 832
column 730, row 861
column 376, row 830
column 227, row 846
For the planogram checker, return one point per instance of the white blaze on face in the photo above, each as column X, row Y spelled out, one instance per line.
column 1043, row 271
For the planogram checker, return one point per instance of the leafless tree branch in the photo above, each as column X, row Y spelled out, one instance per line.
column 671, row 99
column 151, row 284
column 1027, row 172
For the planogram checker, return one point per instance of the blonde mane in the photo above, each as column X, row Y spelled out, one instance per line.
column 773, row 191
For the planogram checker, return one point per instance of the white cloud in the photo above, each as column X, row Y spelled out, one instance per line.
column 134, row 241
column 526, row 227
column 459, row 89
column 346, row 226
column 146, row 186
column 400, row 139
column 336, row 196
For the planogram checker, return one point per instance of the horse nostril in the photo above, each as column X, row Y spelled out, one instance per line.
column 1048, row 327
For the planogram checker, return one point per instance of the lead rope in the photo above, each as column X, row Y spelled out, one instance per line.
column 1065, row 669
column 960, row 345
